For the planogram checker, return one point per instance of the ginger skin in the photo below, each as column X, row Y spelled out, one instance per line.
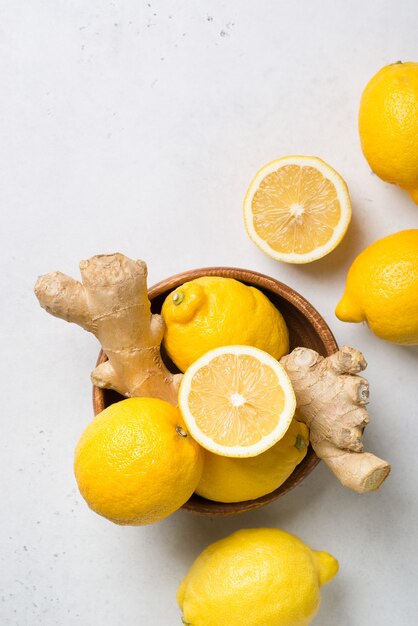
column 112, row 303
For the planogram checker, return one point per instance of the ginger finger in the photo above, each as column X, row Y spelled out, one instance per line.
column 104, row 376
column 361, row 472
column 347, row 360
column 64, row 297
column 357, row 388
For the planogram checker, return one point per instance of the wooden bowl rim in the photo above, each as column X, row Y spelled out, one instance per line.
column 200, row 505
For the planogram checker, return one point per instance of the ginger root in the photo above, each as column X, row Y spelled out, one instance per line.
column 112, row 303
column 331, row 400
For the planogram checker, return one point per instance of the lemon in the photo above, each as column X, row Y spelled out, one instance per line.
column 234, row 480
column 297, row 209
column 388, row 125
column 237, row 401
column 135, row 462
column 382, row 288
column 213, row 311
column 255, row 577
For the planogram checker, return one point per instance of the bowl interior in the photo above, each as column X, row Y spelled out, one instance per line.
column 306, row 328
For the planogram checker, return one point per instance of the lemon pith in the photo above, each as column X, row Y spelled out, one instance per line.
column 256, row 577
column 135, row 463
column 388, row 125
column 382, row 288
column 237, row 401
column 213, row 311
column 297, row 209
column 226, row 479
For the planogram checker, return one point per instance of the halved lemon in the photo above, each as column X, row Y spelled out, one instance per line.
column 297, row 209
column 237, row 401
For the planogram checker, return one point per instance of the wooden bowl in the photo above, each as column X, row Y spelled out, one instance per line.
column 306, row 328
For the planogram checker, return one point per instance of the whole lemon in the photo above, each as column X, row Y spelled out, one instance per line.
column 227, row 479
column 388, row 125
column 212, row 311
column 255, row 577
column 382, row 288
column 135, row 462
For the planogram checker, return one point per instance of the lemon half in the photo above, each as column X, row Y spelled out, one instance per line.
column 297, row 209
column 237, row 401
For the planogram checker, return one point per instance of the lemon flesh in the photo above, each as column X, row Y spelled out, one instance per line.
column 135, row 462
column 256, row 577
column 213, row 311
column 382, row 288
column 227, row 479
column 237, row 401
column 297, row 209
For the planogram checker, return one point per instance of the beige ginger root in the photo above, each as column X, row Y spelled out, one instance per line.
column 331, row 400
column 112, row 303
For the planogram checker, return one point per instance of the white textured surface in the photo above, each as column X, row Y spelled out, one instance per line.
column 137, row 127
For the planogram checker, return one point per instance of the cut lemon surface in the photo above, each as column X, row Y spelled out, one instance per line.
column 237, row 401
column 297, row 209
